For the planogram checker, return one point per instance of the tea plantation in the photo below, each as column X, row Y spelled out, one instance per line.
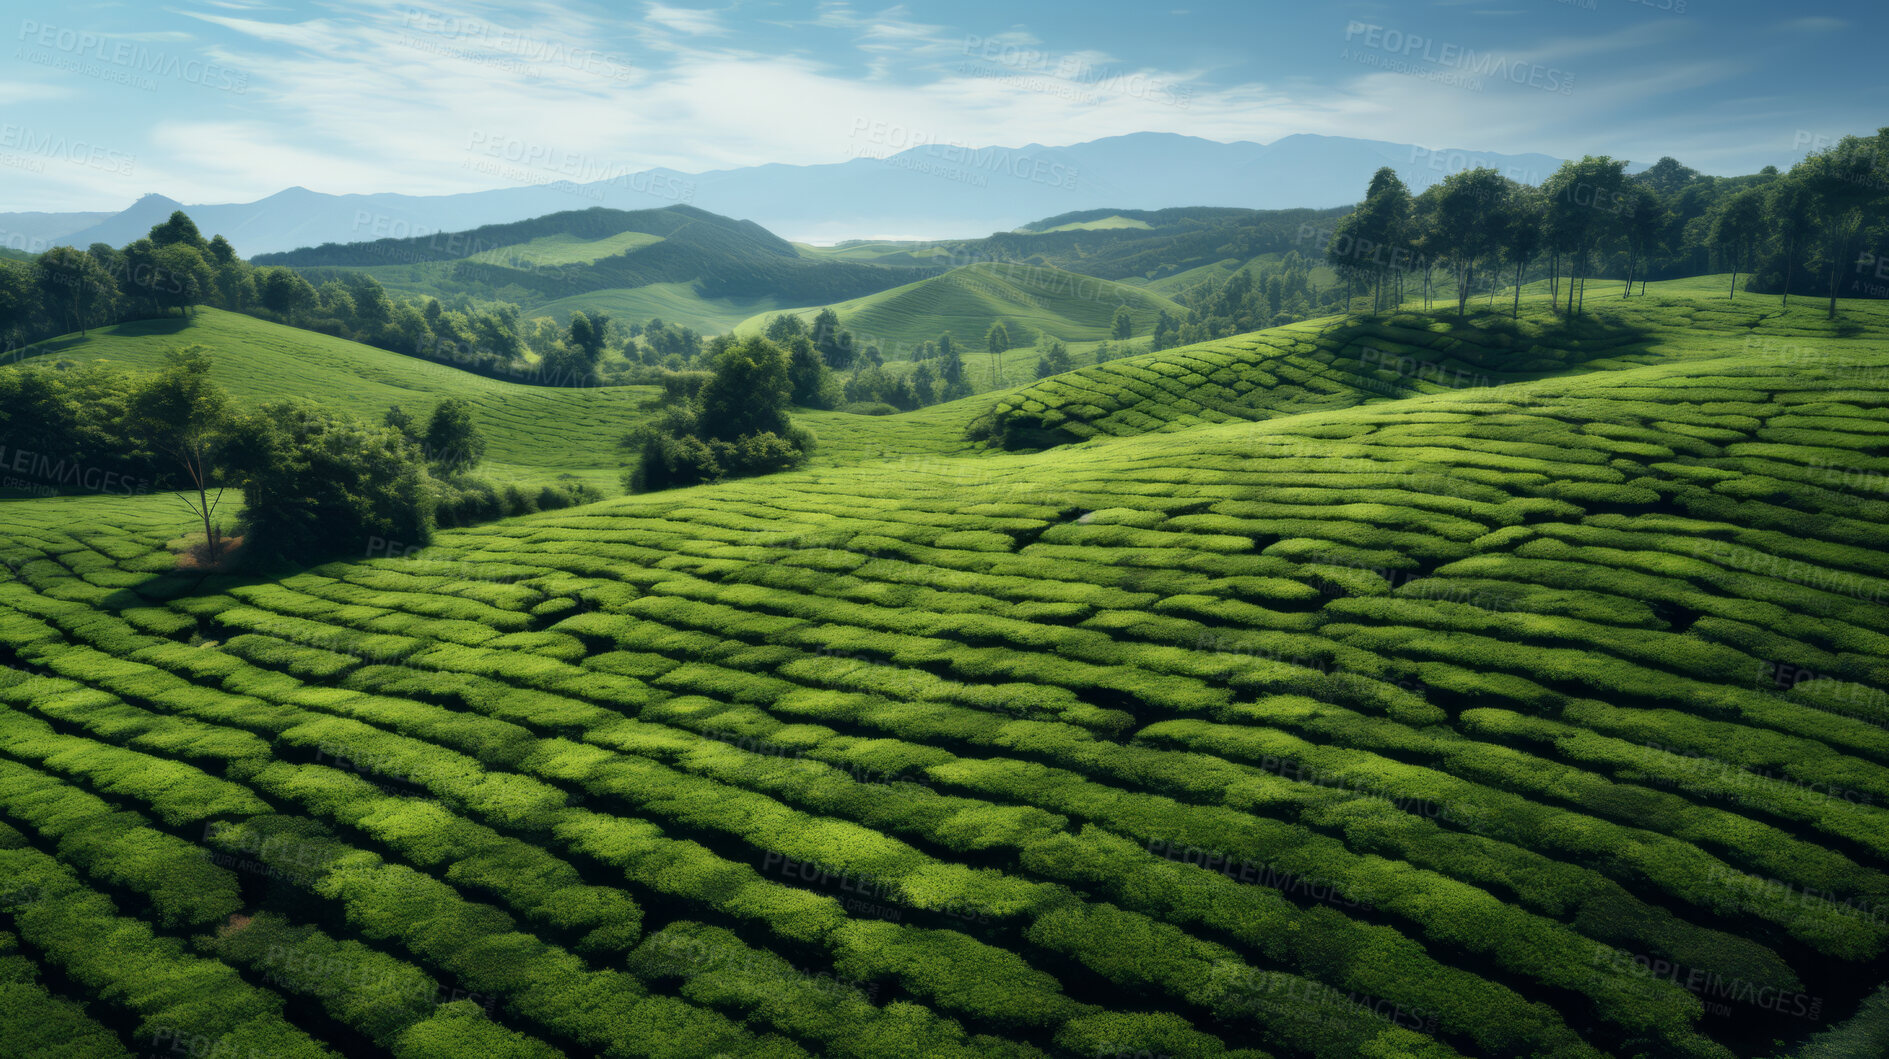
column 1293, row 699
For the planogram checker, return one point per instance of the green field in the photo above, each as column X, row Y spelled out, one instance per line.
column 1028, row 299
column 1388, row 687
column 672, row 303
column 564, row 249
column 1103, row 224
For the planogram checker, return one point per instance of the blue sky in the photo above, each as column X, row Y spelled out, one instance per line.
column 231, row 100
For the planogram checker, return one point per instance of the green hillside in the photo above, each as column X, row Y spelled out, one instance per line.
column 1099, row 224
column 704, row 267
column 535, row 433
column 673, row 303
column 1539, row 716
column 1337, row 363
column 967, row 301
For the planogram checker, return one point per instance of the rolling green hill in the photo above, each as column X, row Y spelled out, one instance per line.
column 1543, row 716
column 704, row 267
column 535, row 433
column 1338, row 363
column 967, row 301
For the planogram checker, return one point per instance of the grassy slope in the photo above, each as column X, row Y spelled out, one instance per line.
column 1459, row 618
column 673, row 303
column 1340, row 362
column 564, row 249
column 967, row 301
column 534, row 433
column 1102, row 224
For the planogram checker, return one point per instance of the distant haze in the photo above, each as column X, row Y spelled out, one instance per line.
column 929, row 192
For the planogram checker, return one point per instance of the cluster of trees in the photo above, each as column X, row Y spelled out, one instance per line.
column 66, row 289
column 829, row 368
column 731, row 422
column 175, row 269
column 1824, row 220
column 1248, row 300
column 314, row 483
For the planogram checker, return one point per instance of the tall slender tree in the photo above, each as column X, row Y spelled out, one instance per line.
column 1470, row 209
column 1586, row 205
column 1736, row 225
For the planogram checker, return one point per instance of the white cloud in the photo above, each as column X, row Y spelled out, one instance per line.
column 685, row 20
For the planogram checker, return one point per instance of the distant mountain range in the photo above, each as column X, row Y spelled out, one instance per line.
column 932, row 191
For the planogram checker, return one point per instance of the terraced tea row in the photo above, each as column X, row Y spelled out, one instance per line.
column 1424, row 727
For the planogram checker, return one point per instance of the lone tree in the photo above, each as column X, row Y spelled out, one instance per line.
column 180, row 414
column 1123, row 326
column 453, row 442
column 998, row 341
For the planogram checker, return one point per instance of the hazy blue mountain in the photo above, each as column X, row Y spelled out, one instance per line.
column 931, row 191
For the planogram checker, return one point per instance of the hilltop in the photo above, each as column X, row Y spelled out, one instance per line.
column 1028, row 299
column 706, row 266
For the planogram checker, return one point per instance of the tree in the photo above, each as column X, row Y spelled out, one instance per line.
column 171, row 276
column 779, row 329
column 179, row 230
column 284, row 292
column 401, row 420
column 807, row 374
column 219, row 252
column 1123, row 326
column 1470, row 223
column 75, row 283
column 834, row 342
column 586, row 337
column 1585, row 205
column 19, row 302
column 453, row 442
column 997, row 339
column 1845, row 181
column 1788, row 205
column 1382, row 219
column 748, row 393
column 951, row 370
column 924, row 385
column 316, row 483
column 1524, row 235
column 1736, row 225
column 179, row 414
column 1646, row 218
column 1666, row 177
